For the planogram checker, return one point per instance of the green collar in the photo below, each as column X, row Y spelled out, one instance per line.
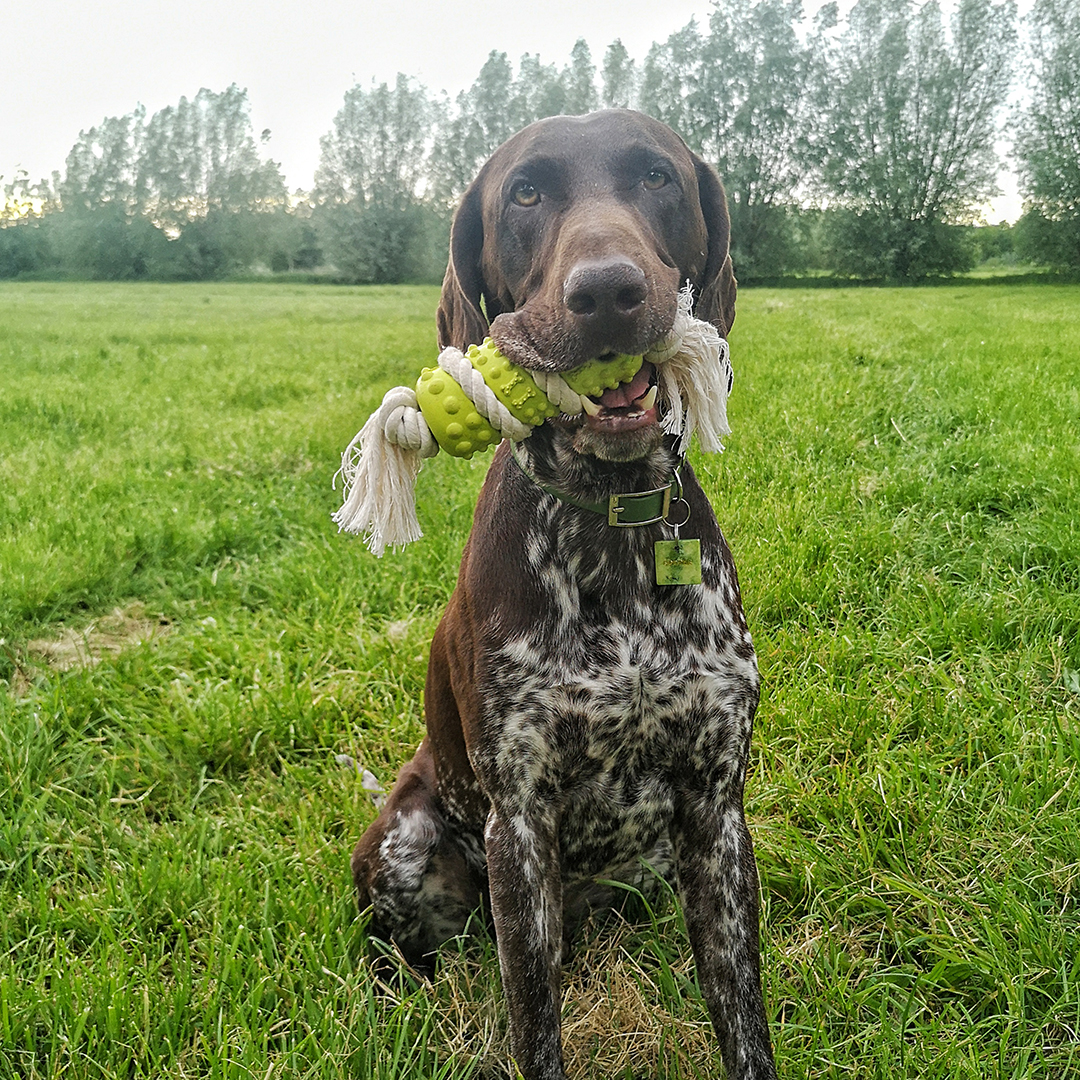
column 624, row 509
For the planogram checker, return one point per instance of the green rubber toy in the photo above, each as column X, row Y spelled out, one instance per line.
column 460, row 429
column 596, row 376
column 453, row 419
column 512, row 385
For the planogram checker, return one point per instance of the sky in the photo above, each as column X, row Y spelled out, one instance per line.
column 75, row 62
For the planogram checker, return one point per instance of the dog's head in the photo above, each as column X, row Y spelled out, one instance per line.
column 572, row 243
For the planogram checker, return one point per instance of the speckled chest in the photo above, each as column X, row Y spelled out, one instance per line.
column 619, row 699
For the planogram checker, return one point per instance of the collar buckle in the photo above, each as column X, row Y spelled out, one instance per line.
column 626, row 501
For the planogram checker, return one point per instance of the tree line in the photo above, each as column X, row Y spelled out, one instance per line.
column 864, row 146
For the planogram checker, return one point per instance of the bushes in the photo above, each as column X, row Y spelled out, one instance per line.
column 1050, row 241
column 865, row 246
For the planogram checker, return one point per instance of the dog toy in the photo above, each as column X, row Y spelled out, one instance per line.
column 461, row 419
column 475, row 399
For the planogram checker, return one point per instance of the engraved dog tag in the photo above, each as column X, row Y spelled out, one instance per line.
column 678, row 562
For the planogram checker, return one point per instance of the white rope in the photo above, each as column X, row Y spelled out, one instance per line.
column 553, row 386
column 379, row 469
column 404, row 424
column 695, row 378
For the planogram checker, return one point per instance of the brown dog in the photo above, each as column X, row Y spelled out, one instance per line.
column 581, row 716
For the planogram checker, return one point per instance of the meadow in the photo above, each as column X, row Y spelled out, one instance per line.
column 194, row 665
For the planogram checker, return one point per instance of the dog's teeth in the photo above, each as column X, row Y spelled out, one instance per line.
column 590, row 406
column 648, row 400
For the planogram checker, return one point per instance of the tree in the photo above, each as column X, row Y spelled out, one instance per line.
column 539, row 90
column 102, row 168
column 580, row 81
column 748, row 114
column 619, row 77
column 192, row 174
column 24, row 243
column 202, row 179
column 378, row 141
column 482, row 120
column 96, row 235
column 369, row 182
column 908, row 127
column 1047, row 146
column 200, row 157
column 737, row 95
column 669, row 77
column 498, row 104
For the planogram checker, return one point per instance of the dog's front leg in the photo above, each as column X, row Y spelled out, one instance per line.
column 718, row 883
column 526, row 902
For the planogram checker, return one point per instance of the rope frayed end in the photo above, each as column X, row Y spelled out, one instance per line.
column 379, row 469
column 696, row 376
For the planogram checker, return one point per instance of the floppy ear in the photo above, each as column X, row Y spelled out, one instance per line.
column 461, row 320
column 717, row 287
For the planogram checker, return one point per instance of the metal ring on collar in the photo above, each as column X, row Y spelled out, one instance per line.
column 677, row 500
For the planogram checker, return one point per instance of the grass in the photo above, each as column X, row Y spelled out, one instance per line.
column 187, row 647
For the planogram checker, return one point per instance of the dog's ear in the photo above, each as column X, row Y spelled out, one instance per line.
column 461, row 320
column 716, row 289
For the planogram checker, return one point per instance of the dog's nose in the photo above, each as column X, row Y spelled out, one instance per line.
column 607, row 290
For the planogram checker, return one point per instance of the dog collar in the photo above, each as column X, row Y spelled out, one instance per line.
column 625, row 509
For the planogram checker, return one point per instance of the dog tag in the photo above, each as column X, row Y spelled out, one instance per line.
column 678, row 562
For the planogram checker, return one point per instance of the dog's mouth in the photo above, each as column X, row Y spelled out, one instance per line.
column 628, row 406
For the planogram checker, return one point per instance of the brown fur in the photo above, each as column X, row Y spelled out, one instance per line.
column 579, row 716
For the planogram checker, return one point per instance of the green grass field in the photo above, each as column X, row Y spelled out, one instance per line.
column 187, row 645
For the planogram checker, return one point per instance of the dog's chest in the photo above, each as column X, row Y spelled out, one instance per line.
column 620, row 698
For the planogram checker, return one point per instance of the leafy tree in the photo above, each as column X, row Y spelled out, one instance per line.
column 737, row 94
column 669, row 77
column 369, row 183
column 19, row 198
column 191, row 173
column 200, row 156
column 95, row 235
column 482, row 120
column 378, row 140
column 292, row 238
column 24, row 249
column 539, row 90
column 108, row 243
column 1047, row 147
column 906, row 143
column 580, row 81
column 25, row 246
column 748, row 114
column 995, row 243
column 102, row 168
column 619, row 77
column 497, row 105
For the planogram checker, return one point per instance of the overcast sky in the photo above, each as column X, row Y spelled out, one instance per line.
column 67, row 64
column 74, row 62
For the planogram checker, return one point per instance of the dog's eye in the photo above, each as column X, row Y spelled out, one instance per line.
column 524, row 194
column 656, row 180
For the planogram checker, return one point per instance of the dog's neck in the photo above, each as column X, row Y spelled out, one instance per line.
column 550, row 458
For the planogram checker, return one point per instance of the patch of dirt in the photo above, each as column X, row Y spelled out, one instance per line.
column 20, row 684
column 109, row 635
column 615, row 1020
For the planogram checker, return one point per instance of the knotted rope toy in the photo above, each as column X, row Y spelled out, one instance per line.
column 476, row 399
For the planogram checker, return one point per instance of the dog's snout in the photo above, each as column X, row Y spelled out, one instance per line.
column 612, row 289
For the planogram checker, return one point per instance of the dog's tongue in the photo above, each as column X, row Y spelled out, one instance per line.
column 625, row 394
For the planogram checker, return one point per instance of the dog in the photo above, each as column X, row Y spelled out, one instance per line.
column 580, row 716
